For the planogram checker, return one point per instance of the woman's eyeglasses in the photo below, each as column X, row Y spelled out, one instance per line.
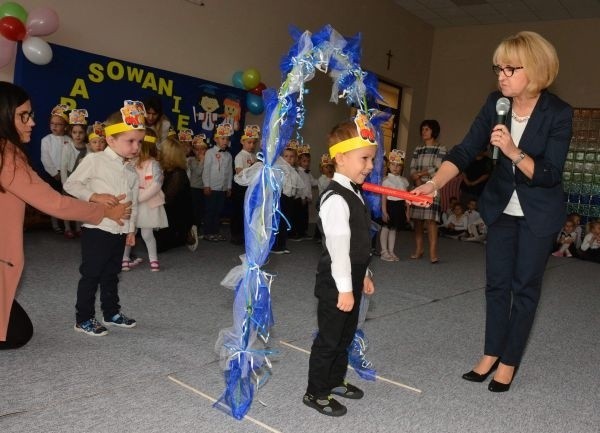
column 508, row 71
column 26, row 115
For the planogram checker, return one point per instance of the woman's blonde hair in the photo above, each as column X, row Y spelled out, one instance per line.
column 172, row 155
column 534, row 53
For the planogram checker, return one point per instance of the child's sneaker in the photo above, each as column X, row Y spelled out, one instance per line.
column 120, row 320
column 154, row 266
column 325, row 405
column 557, row 254
column 347, row 390
column 91, row 327
column 125, row 266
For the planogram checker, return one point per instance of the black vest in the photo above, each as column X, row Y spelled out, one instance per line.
column 360, row 223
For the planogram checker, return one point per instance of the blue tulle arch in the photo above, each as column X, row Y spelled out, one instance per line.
column 243, row 347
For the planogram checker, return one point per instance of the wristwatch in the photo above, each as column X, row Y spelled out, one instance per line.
column 519, row 159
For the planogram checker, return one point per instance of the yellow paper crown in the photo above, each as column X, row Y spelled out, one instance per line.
column 97, row 131
column 150, row 139
column 78, row 116
column 224, row 130
column 326, row 159
column 185, row 135
column 396, row 156
column 171, row 132
column 61, row 110
column 251, row 132
column 366, row 136
column 199, row 141
column 134, row 118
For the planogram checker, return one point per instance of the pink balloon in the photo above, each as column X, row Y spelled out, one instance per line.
column 7, row 51
column 42, row 21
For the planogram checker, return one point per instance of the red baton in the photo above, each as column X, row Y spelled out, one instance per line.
column 405, row 195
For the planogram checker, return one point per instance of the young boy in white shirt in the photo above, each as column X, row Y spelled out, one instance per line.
column 107, row 177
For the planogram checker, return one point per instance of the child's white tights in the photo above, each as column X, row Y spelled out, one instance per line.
column 388, row 241
column 150, row 241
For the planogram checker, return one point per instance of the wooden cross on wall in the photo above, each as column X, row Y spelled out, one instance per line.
column 389, row 56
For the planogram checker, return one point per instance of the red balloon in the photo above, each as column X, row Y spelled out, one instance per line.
column 258, row 90
column 12, row 29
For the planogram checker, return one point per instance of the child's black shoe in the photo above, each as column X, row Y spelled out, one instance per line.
column 347, row 390
column 326, row 405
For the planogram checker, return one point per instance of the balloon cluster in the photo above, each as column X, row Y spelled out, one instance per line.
column 18, row 25
column 250, row 80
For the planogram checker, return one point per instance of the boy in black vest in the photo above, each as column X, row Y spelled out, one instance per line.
column 342, row 272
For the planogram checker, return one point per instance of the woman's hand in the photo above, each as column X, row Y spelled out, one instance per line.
column 384, row 216
column 502, row 139
column 428, row 188
column 106, row 199
column 345, row 301
column 118, row 212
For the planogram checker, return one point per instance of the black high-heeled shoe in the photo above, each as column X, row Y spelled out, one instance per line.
column 496, row 386
column 499, row 387
column 472, row 376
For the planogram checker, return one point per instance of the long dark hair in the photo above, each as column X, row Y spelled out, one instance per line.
column 11, row 97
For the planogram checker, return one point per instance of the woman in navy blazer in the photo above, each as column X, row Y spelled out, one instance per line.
column 523, row 201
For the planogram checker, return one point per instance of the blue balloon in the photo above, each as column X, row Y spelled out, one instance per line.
column 254, row 103
column 238, row 79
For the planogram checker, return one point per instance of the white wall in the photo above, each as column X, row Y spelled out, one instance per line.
column 461, row 75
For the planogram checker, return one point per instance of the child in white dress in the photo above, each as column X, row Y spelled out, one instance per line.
column 151, row 210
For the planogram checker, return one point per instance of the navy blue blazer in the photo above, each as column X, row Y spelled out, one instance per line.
column 546, row 139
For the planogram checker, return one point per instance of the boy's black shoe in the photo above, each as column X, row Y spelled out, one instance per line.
column 347, row 390
column 326, row 405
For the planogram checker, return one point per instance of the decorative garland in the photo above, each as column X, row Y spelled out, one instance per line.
column 242, row 347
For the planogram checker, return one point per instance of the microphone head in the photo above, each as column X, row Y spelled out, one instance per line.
column 502, row 106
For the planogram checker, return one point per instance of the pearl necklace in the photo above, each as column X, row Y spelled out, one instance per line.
column 520, row 119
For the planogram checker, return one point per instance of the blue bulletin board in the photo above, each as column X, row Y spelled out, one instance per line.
column 100, row 84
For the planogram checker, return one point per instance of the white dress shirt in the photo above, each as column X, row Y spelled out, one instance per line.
column 106, row 173
column 51, row 152
column 218, row 169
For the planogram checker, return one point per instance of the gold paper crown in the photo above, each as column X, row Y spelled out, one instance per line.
column 171, row 132
column 97, row 131
column 61, row 110
column 251, row 132
column 292, row 144
column 78, row 116
column 326, row 159
column 185, row 135
column 396, row 156
column 224, row 130
column 303, row 149
column 199, row 140
column 134, row 117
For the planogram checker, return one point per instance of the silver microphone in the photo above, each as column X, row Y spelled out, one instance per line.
column 502, row 109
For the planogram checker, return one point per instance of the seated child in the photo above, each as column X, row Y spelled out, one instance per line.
column 590, row 247
column 566, row 241
column 476, row 228
column 457, row 223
